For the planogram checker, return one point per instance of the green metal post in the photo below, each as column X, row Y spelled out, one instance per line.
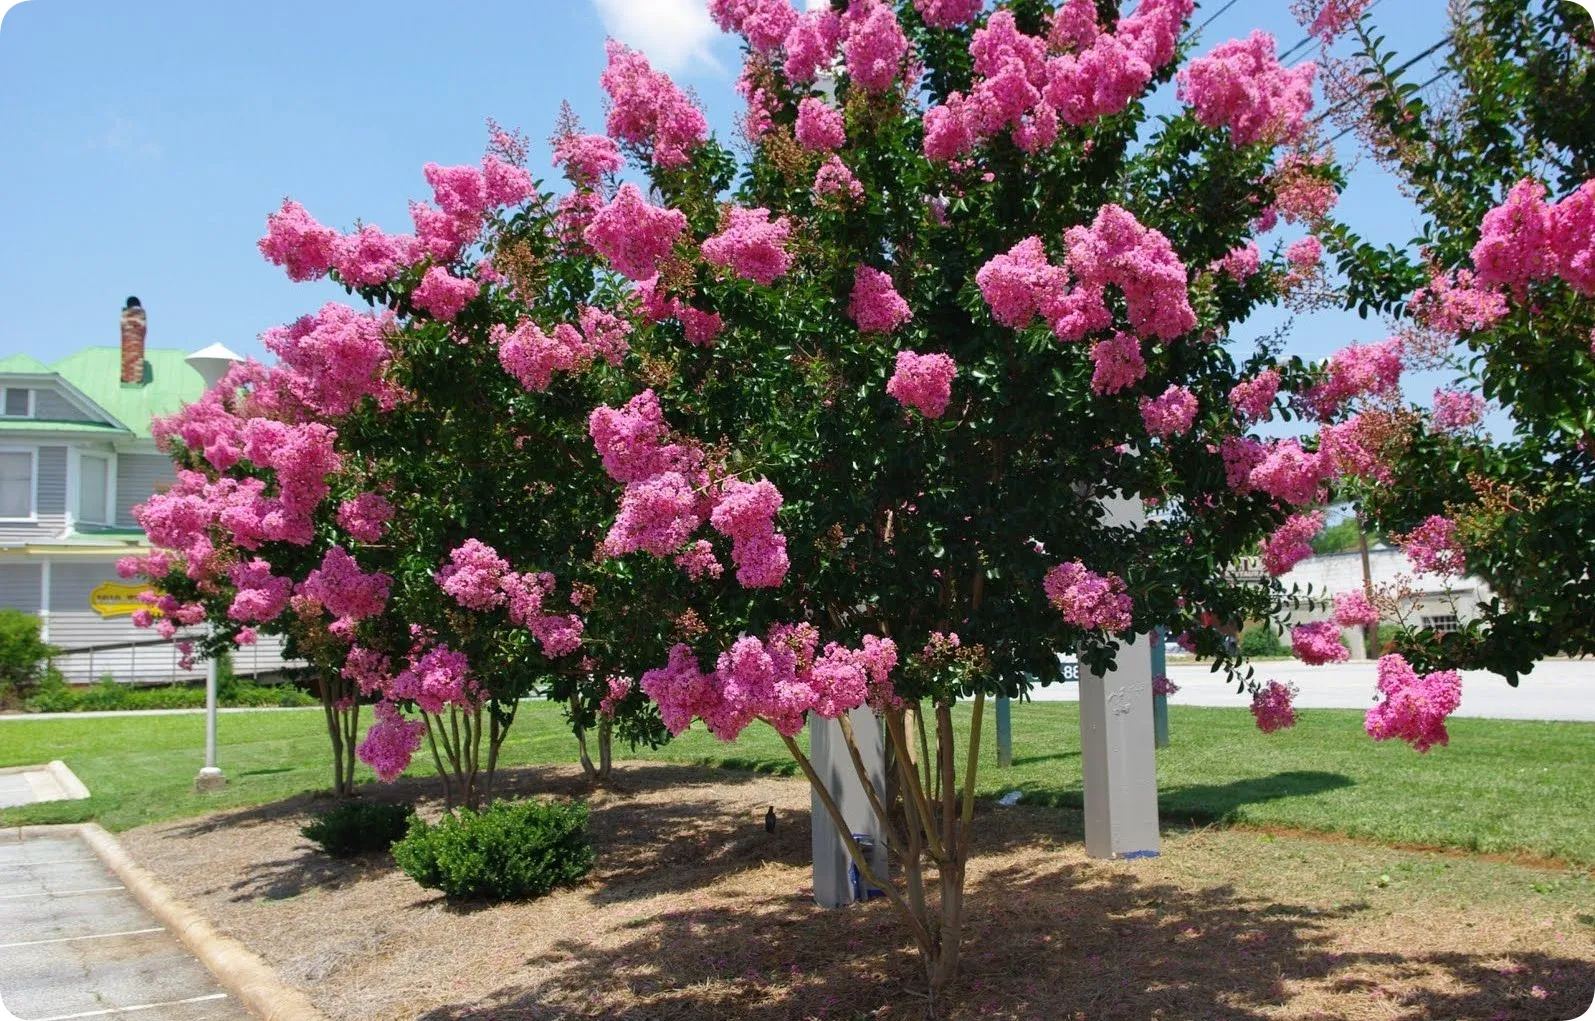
column 1004, row 733
column 1160, row 703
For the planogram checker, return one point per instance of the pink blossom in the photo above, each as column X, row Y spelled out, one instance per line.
column 751, row 245
column 746, row 513
column 1318, row 642
column 367, row 668
column 646, row 108
column 616, row 688
column 1358, row 370
column 605, row 334
column 810, row 44
column 1515, row 243
column 1301, row 193
column 1453, row 304
column 697, row 559
column 875, row 305
column 587, row 159
column 1241, row 263
column 1305, row 253
column 873, row 44
column 1355, row 448
column 440, row 235
column 365, row 516
column 1161, row 685
column 345, row 590
column 442, row 294
column 1414, row 708
column 461, row 192
column 390, row 742
column 1253, row 399
column 1352, row 609
column 947, row 13
column 949, row 130
column 472, row 575
column 1170, row 413
column 681, row 690
column 1456, row 410
column 762, row 105
column 334, row 359
column 246, row 636
column 1241, row 85
column 1433, row 547
column 1015, row 283
column 1291, row 474
column 296, row 242
column 631, row 440
column 1118, row 364
column 559, row 634
column 657, row 514
column 923, row 382
column 820, row 127
column 371, row 256
column 1334, row 18
column 764, row 23
column 1088, row 599
column 1573, row 238
column 260, row 595
column 1272, row 708
column 699, row 327
column 1291, row 542
column 532, row 356
column 436, row 679
column 1116, row 249
column 634, row 236
column 1099, row 81
column 834, row 180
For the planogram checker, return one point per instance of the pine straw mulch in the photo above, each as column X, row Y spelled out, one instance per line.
column 694, row 912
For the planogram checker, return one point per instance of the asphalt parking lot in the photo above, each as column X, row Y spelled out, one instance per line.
column 75, row 944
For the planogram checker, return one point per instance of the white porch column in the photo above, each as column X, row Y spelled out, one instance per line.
column 1117, row 752
column 833, row 885
column 44, row 601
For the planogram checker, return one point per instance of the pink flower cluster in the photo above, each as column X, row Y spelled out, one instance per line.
column 1456, row 410
column 1305, row 253
column 1242, row 85
column 616, row 690
column 1453, row 304
column 1358, row 370
column 260, row 595
column 820, row 127
column 1088, row 599
column 1355, row 448
column 532, row 356
column 947, row 13
column 333, row 360
column 345, row 591
column 1352, row 609
column 778, row 680
column 834, row 180
column 1433, row 547
column 1241, row 263
column 390, row 742
column 1290, row 474
column 1170, row 413
column 764, row 23
column 443, row 295
column 306, row 249
column 745, row 512
column 752, row 245
column 875, row 304
column 1272, row 708
column 873, row 44
column 1291, row 542
column 1161, row 685
column 1301, row 193
column 1524, row 239
column 435, row 679
column 1253, row 399
column 633, row 235
column 477, row 578
column 1318, row 643
column 1414, row 708
column 647, row 108
column 1334, row 17
column 365, row 517
column 923, row 382
column 1118, row 364
column 700, row 327
column 587, row 159
column 811, row 44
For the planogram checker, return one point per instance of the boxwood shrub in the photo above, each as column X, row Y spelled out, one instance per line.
column 357, row 827
column 511, row 850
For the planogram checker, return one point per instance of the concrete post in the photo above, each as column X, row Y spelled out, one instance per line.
column 1160, row 703
column 1116, row 741
column 1004, row 733
column 210, row 777
column 833, row 887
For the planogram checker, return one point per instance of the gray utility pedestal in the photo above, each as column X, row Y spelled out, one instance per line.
column 834, row 886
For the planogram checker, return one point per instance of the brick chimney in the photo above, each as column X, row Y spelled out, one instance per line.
column 134, row 327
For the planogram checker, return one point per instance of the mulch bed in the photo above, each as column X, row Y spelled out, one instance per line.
column 694, row 912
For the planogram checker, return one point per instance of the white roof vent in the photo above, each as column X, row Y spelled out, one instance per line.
column 213, row 362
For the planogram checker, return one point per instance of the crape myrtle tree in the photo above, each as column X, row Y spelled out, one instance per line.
column 1499, row 158
column 968, row 292
column 461, row 571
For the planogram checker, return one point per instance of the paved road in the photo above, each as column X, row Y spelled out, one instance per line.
column 75, row 944
column 1556, row 690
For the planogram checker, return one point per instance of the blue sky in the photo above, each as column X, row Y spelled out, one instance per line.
column 145, row 143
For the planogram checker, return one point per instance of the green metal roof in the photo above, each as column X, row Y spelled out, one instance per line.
column 44, row 425
column 169, row 383
column 24, row 365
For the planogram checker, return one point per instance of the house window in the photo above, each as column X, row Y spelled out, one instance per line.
column 16, row 484
column 1444, row 622
column 19, row 403
column 93, row 488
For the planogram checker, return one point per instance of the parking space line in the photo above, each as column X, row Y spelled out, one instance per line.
column 61, row 893
column 35, row 864
column 129, row 1010
column 73, row 939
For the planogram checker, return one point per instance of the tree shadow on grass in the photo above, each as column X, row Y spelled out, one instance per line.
column 1205, row 803
column 1045, row 939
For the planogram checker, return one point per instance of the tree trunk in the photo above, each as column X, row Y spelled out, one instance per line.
column 343, row 722
column 605, row 748
column 588, row 769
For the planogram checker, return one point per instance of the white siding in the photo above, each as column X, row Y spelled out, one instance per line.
column 20, row 586
column 138, row 477
column 51, row 484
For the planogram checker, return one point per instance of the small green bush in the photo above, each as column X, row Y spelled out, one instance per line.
column 22, row 655
column 508, row 851
column 55, row 696
column 357, row 827
column 1260, row 640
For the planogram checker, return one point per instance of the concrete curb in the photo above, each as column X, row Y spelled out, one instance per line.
column 68, row 780
column 239, row 969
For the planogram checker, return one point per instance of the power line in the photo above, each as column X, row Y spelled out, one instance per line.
column 1346, row 131
column 1394, row 74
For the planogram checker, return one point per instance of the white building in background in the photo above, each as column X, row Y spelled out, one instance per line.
column 76, row 456
column 1440, row 603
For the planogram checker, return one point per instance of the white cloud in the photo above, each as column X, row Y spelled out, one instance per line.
column 675, row 34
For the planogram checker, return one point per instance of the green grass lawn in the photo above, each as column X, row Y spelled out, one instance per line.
column 1501, row 786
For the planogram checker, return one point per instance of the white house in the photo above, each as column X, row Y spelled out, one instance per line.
column 76, row 455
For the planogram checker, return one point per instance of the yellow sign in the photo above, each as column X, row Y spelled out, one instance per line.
column 119, row 599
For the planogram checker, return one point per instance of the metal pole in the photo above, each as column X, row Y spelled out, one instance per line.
column 1160, row 703
column 1370, row 633
column 1004, row 733
column 210, row 777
